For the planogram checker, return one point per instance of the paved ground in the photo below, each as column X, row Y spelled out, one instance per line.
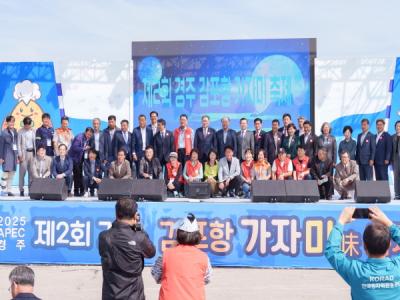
column 84, row 282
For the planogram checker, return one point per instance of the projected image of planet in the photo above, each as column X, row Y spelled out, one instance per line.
column 150, row 70
column 285, row 83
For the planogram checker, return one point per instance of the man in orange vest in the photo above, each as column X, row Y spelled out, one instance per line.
column 183, row 139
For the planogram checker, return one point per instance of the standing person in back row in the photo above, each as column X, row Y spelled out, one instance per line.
column 205, row 139
column 142, row 136
column 365, row 152
column 245, row 139
column 44, row 135
column 183, row 139
column 378, row 277
column 9, row 154
column 226, row 137
column 383, row 151
column 396, row 160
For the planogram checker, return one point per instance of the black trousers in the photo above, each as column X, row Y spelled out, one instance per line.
column 381, row 172
column 365, row 172
column 326, row 189
column 182, row 157
column 78, row 179
column 234, row 185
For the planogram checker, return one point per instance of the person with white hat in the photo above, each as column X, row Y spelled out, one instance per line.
column 183, row 270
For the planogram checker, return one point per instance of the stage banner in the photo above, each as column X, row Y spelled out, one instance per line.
column 28, row 89
column 234, row 78
column 248, row 235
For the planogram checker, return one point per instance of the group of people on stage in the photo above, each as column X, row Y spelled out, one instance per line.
column 228, row 160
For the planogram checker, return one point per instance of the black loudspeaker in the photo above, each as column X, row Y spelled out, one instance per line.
column 146, row 189
column 372, row 192
column 48, row 189
column 268, row 191
column 113, row 189
column 197, row 190
column 301, row 191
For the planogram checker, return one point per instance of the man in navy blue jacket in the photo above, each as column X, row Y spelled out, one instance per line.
column 142, row 137
column 383, row 151
column 226, row 137
column 163, row 142
column 365, row 152
column 62, row 167
column 205, row 139
column 109, row 134
column 93, row 171
column 123, row 140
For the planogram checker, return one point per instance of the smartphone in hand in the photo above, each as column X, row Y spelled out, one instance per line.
column 361, row 213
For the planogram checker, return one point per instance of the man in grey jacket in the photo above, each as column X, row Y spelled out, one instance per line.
column 229, row 174
column 245, row 139
column 26, row 152
column 346, row 175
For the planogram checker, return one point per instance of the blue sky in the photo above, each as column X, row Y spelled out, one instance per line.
column 59, row 30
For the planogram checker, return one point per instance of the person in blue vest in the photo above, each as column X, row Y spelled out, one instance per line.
column 62, row 166
column 44, row 135
column 379, row 276
column 78, row 152
column 365, row 151
column 383, row 151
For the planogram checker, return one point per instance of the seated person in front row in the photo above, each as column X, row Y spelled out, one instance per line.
column 322, row 170
column 229, row 174
column 93, row 171
column 193, row 170
column 346, row 175
column 246, row 172
column 301, row 165
column 62, row 167
column 282, row 169
column 261, row 168
column 150, row 166
column 41, row 166
column 173, row 175
column 211, row 172
column 120, row 168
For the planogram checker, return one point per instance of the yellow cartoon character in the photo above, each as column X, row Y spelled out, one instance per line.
column 27, row 93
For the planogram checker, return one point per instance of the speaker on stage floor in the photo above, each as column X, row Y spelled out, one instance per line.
column 114, row 189
column 197, row 190
column 145, row 189
column 301, row 191
column 372, row 192
column 268, row 191
column 48, row 189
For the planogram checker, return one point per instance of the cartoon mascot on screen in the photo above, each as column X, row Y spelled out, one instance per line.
column 26, row 93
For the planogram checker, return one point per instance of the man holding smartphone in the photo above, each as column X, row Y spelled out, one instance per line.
column 379, row 276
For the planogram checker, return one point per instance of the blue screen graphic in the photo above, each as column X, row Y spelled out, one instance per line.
column 248, row 78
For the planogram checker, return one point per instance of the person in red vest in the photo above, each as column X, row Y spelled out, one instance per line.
column 301, row 165
column 184, row 270
column 282, row 169
column 183, row 139
column 173, row 176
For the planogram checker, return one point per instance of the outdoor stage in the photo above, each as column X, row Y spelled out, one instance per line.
column 236, row 231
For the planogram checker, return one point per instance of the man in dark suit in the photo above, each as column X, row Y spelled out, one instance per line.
column 396, row 160
column 205, row 139
column 93, row 171
column 123, row 140
column 322, row 171
column 259, row 135
column 153, row 122
column 142, row 137
column 163, row 142
column 309, row 140
column 273, row 141
column 109, row 134
column 286, row 119
column 226, row 137
column 245, row 139
column 383, row 151
column 365, row 152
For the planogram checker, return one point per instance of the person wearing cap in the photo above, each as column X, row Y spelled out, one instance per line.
column 184, row 270
column 173, row 175
column 282, row 168
column 229, row 174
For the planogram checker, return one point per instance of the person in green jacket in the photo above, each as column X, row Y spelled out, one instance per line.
column 379, row 276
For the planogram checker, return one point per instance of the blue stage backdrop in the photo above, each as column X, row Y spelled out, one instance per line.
column 395, row 107
column 241, row 234
column 235, row 78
